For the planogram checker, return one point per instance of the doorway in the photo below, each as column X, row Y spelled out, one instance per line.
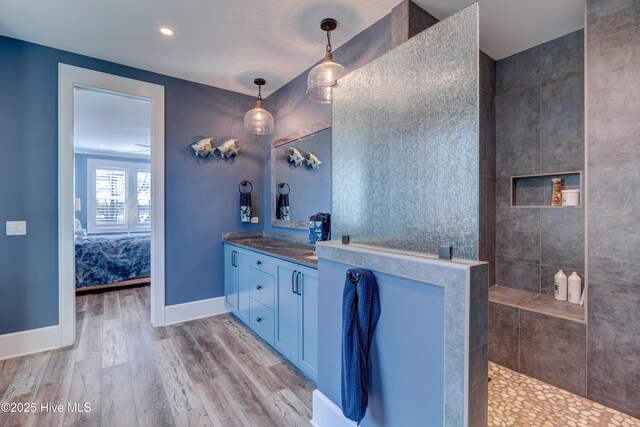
column 122, row 198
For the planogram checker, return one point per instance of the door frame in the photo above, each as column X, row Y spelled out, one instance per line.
column 70, row 77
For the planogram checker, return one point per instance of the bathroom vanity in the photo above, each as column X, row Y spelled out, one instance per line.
column 271, row 285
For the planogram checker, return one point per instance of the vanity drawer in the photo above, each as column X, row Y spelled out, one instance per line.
column 262, row 320
column 262, row 262
column 262, row 288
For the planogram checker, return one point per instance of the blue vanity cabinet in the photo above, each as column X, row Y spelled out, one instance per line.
column 296, row 335
column 276, row 299
column 287, row 325
column 308, row 318
column 230, row 277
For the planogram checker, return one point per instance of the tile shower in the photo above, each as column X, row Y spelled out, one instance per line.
column 540, row 118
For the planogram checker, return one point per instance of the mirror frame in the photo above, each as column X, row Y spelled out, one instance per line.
column 303, row 133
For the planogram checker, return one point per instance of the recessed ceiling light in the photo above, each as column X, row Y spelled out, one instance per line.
column 166, row 31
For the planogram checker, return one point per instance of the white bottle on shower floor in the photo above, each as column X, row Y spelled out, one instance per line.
column 560, row 285
column 575, row 288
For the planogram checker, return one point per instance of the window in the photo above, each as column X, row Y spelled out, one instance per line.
column 119, row 196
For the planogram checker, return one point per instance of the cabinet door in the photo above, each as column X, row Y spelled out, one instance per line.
column 287, row 330
column 230, row 278
column 244, row 285
column 308, row 315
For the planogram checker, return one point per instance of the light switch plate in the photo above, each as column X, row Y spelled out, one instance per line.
column 16, row 228
column 255, row 220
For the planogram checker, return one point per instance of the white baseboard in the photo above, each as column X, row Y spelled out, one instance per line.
column 194, row 310
column 328, row 414
column 27, row 342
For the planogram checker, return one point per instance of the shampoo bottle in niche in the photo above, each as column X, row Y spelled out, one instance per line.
column 560, row 285
column 575, row 288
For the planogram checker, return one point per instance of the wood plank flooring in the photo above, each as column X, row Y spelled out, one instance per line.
column 207, row 372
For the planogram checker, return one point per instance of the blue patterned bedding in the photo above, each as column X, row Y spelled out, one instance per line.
column 107, row 259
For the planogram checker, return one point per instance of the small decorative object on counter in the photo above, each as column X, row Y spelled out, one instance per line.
column 283, row 211
column 245, row 201
column 556, row 195
column 575, row 288
column 570, row 197
column 560, row 286
column 295, row 156
column 313, row 162
column 445, row 252
column 319, row 227
column 346, row 239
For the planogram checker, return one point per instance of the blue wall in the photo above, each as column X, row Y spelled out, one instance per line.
column 293, row 110
column 201, row 196
column 407, row 353
column 82, row 183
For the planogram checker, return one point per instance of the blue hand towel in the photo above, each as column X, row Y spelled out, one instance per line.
column 360, row 312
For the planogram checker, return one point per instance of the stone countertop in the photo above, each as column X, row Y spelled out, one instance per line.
column 283, row 249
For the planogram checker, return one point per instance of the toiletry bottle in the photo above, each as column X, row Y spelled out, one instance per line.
column 560, row 284
column 556, row 195
column 575, row 288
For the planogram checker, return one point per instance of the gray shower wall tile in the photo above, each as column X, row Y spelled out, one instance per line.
column 518, row 71
column 547, row 273
column 479, row 307
column 614, row 231
column 518, row 275
column 478, row 387
column 503, row 191
column 529, row 192
column 607, row 17
column 518, row 132
column 553, row 350
column 562, row 57
column 518, row 234
column 487, row 218
column 562, row 124
column 487, row 73
column 613, row 347
column 487, row 134
column 562, row 237
column 614, row 97
column 504, row 335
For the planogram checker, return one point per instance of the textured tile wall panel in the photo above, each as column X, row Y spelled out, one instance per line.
column 406, row 144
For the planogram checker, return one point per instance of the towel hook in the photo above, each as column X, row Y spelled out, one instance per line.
column 281, row 186
column 353, row 279
column 244, row 184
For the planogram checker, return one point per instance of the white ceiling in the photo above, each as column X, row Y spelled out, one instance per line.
column 226, row 43
column 111, row 124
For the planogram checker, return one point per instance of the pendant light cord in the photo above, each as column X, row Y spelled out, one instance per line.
column 260, row 92
column 328, row 48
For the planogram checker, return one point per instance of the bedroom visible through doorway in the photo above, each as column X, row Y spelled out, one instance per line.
column 112, row 190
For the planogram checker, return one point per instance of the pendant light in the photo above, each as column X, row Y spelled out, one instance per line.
column 258, row 121
column 324, row 76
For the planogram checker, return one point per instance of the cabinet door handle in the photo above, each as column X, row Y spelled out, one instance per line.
column 233, row 259
column 259, row 262
column 258, row 319
column 299, row 292
column 293, row 275
column 258, row 287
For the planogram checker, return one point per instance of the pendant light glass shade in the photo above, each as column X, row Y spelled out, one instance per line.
column 258, row 121
column 324, row 76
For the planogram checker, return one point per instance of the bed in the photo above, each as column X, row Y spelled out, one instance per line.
column 112, row 260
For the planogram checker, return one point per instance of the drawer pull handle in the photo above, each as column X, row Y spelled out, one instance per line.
column 258, row 287
column 258, row 319
column 259, row 262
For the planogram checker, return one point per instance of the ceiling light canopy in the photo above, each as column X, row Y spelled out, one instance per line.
column 166, row 31
column 258, row 121
column 324, row 76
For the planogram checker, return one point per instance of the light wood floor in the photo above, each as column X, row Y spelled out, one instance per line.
column 208, row 372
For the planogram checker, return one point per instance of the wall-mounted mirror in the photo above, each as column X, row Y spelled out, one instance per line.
column 300, row 178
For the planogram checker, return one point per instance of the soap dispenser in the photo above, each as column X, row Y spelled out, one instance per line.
column 575, row 288
column 560, row 285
